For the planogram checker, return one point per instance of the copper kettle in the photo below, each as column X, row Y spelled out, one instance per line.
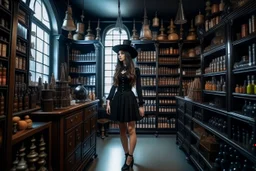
column 199, row 19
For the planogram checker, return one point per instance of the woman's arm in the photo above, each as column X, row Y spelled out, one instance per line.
column 138, row 87
column 111, row 93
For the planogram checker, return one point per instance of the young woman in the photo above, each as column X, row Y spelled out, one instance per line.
column 122, row 105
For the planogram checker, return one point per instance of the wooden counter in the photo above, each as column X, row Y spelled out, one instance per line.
column 73, row 135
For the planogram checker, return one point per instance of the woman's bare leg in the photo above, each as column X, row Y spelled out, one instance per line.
column 132, row 140
column 123, row 136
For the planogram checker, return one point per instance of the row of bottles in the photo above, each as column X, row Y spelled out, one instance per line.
column 168, row 51
column 3, row 48
column 171, row 109
column 168, row 81
column 168, row 91
column 215, row 85
column 35, row 158
column 165, row 122
column 4, row 23
column 148, row 121
column 216, row 65
column 249, row 86
column 150, row 105
column 84, row 68
column 21, row 46
column 20, row 63
column 167, row 101
column 167, row 70
column 146, row 56
column 168, row 60
column 148, row 92
column 188, row 72
column 77, row 56
column 247, row 28
column 3, row 74
column 2, row 104
column 148, row 81
column 218, row 123
column 88, row 80
column 249, row 109
column 249, row 59
column 147, row 69
column 212, row 22
column 229, row 158
column 244, row 137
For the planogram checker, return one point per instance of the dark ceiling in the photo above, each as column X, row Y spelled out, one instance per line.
column 133, row 9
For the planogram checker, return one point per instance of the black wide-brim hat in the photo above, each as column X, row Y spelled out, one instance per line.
column 126, row 46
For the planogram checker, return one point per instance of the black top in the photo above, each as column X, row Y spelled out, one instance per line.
column 124, row 85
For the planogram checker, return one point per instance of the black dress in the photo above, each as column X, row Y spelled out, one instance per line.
column 123, row 104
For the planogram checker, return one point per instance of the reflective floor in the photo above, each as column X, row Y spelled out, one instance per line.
column 151, row 154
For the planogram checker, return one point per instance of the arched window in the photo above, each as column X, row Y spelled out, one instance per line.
column 40, row 41
column 112, row 38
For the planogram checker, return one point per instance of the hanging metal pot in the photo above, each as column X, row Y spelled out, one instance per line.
column 199, row 19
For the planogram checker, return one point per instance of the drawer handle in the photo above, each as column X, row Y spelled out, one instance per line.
column 71, row 120
column 70, row 144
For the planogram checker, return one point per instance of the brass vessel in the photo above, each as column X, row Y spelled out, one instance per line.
column 172, row 35
column 191, row 34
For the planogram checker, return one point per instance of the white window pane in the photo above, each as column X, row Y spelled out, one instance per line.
column 40, row 33
column 108, row 43
column 39, row 67
column 31, row 5
column 32, row 54
column 46, row 49
column 46, row 60
column 114, row 59
column 33, row 42
column 38, row 10
column 32, row 65
column 33, row 28
column 24, row 1
column 46, row 70
column 45, row 78
column 108, row 50
column 39, row 57
column 38, row 75
column 116, row 42
column 46, row 37
column 108, row 58
column 45, row 18
column 33, row 76
column 39, row 45
column 123, row 37
column 108, row 73
column 108, row 66
column 108, row 80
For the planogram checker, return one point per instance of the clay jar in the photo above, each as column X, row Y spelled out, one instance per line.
column 29, row 122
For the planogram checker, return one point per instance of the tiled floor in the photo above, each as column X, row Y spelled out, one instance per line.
column 151, row 154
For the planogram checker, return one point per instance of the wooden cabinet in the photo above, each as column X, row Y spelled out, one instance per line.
column 73, row 135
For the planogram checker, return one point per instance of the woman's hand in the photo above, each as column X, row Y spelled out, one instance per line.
column 142, row 111
column 108, row 108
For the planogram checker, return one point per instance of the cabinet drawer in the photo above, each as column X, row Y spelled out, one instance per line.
column 70, row 142
column 78, row 131
column 70, row 163
column 87, row 129
column 86, row 147
column 78, row 156
column 93, row 123
column 91, row 110
column 93, row 139
column 73, row 120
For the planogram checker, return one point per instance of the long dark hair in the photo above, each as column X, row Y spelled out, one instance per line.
column 130, row 69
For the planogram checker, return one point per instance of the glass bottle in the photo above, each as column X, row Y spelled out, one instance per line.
column 224, row 87
column 244, row 109
column 253, row 112
column 249, row 86
column 244, row 87
column 249, row 109
column 253, row 85
column 237, row 89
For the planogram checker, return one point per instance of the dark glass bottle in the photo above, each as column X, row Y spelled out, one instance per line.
column 249, row 109
column 244, row 109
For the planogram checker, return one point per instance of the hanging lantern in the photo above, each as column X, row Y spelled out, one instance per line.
column 155, row 21
column 145, row 33
column 68, row 23
column 180, row 18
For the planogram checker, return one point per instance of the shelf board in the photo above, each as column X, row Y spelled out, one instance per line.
column 21, row 53
column 148, row 75
column 214, row 49
column 168, row 41
column 195, row 135
column 3, row 87
column 244, row 40
column 22, row 39
column 180, row 135
column 205, row 161
column 190, row 76
column 150, row 112
column 2, row 117
column 215, row 74
column 166, row 113
column 145, row 62
column 213, row 29
column 244, row 69
column 2, row 8
column 24, row 112
column 218, row 93
column 187, row 127
column 243, row 10
column 23, row 24
column 37, row 127
column 149, row 96
column 191, row 59
column 148, row 86
column 241, row 117
column 168, row 64
column 89, row 73
column 214, row 109
column 168, row 55
column 168, row 75
column 243, row 151
column 171, row 85
column 181, row 122
column 20, row 70
column 166, row 104
column 187, row 115
column 4, row 59
column 82, row 61
column 191, row 41
column 4, row 29
column 166, row 96
column 166, row 130
column 196, row 164
column 244, row 96
column 190, row 66
column 85, row 42
column 3, row 41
